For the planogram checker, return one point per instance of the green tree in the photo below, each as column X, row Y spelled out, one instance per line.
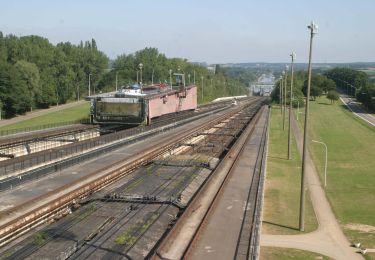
column 333, row 96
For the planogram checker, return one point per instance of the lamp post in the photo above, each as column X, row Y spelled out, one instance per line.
column 170, row 78
column 140, row 67
column 285, row 87
column 293, row 55
column 282, row 103
column 202, row 88
column 297, row 109
column 116, row 79
column 313, row 30
column 281, row 94
column 189, row 78
column 152, row 77
column 194, row 76
column 89, row 84
column 325, row 164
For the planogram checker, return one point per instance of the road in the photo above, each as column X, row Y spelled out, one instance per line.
column 354, row 106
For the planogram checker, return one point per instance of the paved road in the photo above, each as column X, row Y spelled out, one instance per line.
column 39, row 113
column 357, row 109
column 328, row 239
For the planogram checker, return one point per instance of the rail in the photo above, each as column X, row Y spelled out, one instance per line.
column 24, row 217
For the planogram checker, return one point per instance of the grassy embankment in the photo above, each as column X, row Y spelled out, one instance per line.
column 281, row 207
column 65, row 115
column 351, row 167
column 272, row 253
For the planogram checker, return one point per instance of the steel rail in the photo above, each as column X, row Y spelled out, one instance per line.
column 209, row 191
column 26, row 217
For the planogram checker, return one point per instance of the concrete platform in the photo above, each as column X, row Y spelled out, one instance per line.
column 218, row 239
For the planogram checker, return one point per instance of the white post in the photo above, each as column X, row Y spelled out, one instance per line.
column 297, row 109
column 90, row 84
column 116, row 80
column 170, row 78
column 194, row 77
column 325, row 165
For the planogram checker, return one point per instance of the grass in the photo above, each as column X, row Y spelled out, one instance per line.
column 274, row 253
column 281, row 207
column 351, row 163
column 65, row 115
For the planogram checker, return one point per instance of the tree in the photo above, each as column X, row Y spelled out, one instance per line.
column 333, row 96
column 29, row 73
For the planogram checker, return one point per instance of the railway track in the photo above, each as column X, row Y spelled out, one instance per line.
column 202, row 140
column 184, row 240
column 25, row 168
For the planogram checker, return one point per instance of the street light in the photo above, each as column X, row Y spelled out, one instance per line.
column 202, row 88
column 140, row 67
column 283, row 94
column 325, row 165
column 285, row 87
column 189, row 78
column 313, row 30
column 194, row 76
column 293, row 55
column 170, row 78
column 89, row 84
column 116, row 79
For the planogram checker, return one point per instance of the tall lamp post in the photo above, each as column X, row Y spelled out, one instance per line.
column 89, row 84
column 202, row 88
column 283, row 95
column 293, row 55
column 313, row 30
column 140, row 68
column 170, row 78
column 116, row 80
column 285, row 88
column 325, row 164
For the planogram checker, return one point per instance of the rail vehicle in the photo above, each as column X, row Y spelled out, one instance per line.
column 139, row 104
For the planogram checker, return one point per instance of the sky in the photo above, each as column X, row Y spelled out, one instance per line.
column 213, row 31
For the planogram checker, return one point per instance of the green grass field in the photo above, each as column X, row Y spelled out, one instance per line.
column 66, row 115
column 274, row 253
column 281, row 206
column 351, row 167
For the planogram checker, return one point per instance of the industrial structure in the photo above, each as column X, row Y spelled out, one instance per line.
column 139, row 104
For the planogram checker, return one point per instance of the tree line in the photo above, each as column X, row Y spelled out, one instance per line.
column 355, row 83
column 37, row 74
column 157, row 68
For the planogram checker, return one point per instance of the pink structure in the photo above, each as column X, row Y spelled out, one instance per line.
column 172, row 102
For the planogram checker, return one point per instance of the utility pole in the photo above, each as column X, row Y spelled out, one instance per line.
column 89, row 84
column 313, row 30
column 202, row 88
column 285, row 87
column 116, row 79
column 281, row 94
column 293, row 55
column 282, row 103
column 170, row 78
column 152, row 77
